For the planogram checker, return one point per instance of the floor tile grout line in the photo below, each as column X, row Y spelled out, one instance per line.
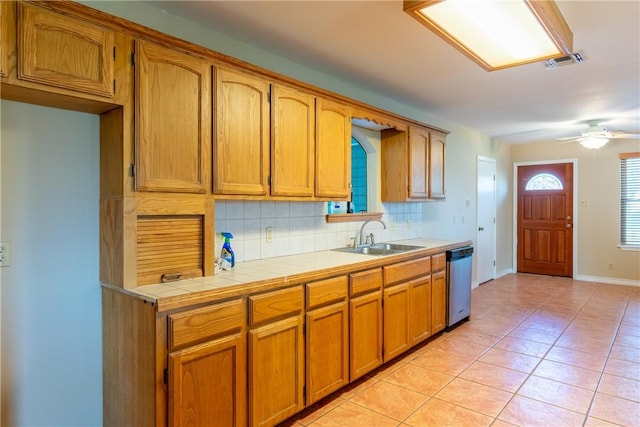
column 613, row 340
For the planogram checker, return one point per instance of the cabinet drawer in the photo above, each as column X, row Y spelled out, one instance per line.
column 196, row 325
column 438, row 262
column 365, row 281
column 326, row 291
column 406, row 270
column 275, row 304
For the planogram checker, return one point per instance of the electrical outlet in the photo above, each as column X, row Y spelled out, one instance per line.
column 584, row 203
column 5, row 254
column 269, row 234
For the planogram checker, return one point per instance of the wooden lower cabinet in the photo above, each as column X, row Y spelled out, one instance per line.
column 327, row 345
column 276, row 371
column 365, row 338
column 439, row 301
column 207, row 384
column 419, row 310
column 276, row 356
column 258, row 359
column 327, row 337
column 396, row 320
column 438, row 292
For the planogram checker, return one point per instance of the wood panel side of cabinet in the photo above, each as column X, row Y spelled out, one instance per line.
column 437, row 151
column 333, row 150
column 241, row 146
column 129, row 361
column 173, row 120
column 395, row 176
column 292, row 142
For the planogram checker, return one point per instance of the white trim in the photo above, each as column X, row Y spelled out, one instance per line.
column 575, row 209
column 608, row 280
column 504, row 273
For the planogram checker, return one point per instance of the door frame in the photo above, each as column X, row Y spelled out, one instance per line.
column 575, row 209
column 494, row 211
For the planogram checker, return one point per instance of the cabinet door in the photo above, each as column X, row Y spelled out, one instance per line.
column 419, row 310
column 437, row 144
column 418, row 163
column 173, row 126
column 396, row 320
column 365, row 334
column 333, row 150
column 241, row 144
column 438, row 301
column 327, row 353
column 6, row 23
column 207, row 384
column 292, row 142
column 61, row 51
column 276, row 371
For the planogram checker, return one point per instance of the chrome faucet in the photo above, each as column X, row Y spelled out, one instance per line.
column 360, row 239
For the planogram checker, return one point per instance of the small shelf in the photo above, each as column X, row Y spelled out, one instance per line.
column 351, row 217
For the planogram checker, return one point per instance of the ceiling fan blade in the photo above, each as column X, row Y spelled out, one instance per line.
column 626, row 135
column 569, row 138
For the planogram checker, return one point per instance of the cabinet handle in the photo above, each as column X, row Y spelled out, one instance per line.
column 170, row 277
column 480, row 228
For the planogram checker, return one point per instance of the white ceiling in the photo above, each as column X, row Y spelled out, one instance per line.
column 376, row 46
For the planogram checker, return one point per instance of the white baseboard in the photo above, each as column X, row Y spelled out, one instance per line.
column 609, row 280
column 504, row 273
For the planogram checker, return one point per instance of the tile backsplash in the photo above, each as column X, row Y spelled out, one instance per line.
column 300, row 227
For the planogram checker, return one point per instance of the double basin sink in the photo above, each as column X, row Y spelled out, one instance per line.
column 379, row 249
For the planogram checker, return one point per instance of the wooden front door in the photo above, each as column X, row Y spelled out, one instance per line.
column 545, row 219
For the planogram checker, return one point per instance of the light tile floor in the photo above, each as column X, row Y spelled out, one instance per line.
column 538, row 351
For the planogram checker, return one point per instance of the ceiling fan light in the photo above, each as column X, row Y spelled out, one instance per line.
column 497, row 34
column 594, row 143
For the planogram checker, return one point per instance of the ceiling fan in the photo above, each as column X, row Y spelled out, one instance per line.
column 597, row 135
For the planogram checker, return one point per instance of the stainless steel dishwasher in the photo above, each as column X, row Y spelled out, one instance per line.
column 459, row 284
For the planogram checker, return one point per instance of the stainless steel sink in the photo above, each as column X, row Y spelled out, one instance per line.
column 379, row 249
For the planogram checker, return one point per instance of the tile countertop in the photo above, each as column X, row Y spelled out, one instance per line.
column 271, row 273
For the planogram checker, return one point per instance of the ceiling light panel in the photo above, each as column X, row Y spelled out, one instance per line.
column 498, row 33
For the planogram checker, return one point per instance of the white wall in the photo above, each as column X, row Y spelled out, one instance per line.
column 51, row 309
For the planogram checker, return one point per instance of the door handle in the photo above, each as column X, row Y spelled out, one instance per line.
column 568, row 225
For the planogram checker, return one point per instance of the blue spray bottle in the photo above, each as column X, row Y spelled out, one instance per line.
column 227, row 252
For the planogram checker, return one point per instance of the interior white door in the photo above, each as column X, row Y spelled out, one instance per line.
column 485, row 251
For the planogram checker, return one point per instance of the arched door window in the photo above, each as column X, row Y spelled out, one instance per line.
column 358, row 176
column 543, row 181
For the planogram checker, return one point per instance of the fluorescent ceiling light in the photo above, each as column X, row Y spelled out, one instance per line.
column 593, row 142
column 497, row 33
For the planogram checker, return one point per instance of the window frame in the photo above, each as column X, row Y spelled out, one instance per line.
column 625, row 200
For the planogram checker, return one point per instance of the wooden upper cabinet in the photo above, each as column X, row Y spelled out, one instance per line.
column 333, row 150
column 412, row 165
column 437, row 144
column 61, row 51
column 292, row 142
column 173, row 120
column 6, row 23
column 241, row 123
column 418, row 163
